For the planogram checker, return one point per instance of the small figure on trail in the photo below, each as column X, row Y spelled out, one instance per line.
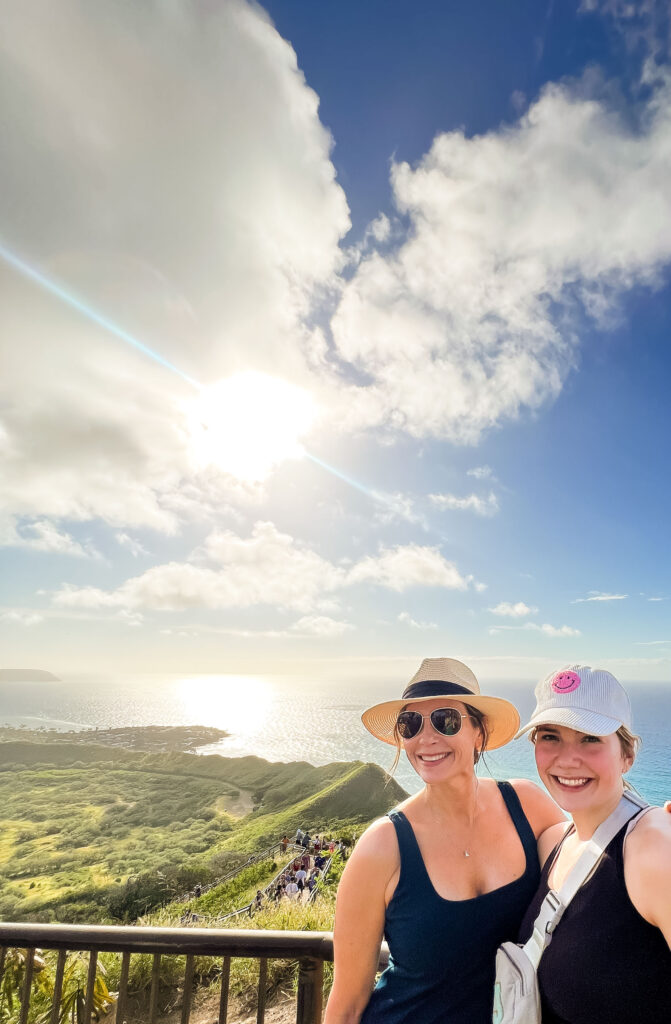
column 284, row 842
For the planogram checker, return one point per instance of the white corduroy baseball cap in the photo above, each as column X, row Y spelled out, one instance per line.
column 582, row 698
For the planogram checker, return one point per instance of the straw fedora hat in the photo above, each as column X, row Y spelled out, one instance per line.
column 445, row 677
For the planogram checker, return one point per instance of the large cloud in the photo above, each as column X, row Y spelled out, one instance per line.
column 469, row 320
column 266, row 568
column 167, row 163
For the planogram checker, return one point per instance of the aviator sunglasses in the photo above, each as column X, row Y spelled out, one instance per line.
column 446, row 721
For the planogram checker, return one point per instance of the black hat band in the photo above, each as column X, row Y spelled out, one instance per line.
column 434, row 688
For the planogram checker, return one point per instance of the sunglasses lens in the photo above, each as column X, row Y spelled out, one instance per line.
column 446, row 721
column 408, row 724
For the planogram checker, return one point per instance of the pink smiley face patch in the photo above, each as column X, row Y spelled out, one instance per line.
column 565, row 682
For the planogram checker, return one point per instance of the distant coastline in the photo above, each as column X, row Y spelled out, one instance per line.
column 147, row 738
column 27, row 675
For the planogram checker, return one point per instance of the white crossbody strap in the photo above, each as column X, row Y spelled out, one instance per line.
column 555, row 903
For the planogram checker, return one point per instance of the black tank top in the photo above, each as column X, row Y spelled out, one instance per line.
column 605, row 964
column 441, row 967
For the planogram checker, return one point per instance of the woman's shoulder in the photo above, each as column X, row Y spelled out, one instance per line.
column 647, row 868
column 541, row 811
column 649, row 840
column 379, row 839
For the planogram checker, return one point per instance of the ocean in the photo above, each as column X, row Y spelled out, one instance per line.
column 285, row 718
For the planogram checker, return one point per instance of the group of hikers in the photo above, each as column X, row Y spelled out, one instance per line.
column 302, row 874
column 321, row 844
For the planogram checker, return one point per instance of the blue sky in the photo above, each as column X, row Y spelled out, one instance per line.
column 415, row 262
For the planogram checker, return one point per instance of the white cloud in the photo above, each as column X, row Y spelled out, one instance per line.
column 651, row 643
column 131, row 544
column 488, row 506
column 598, row 595
column 656, row 599
column 480, row 472
column 44, row 535
column 556, row 630
column 409, row 566
column 207, row 235
column 549, row 630
column 407, row 620
column 398, row 506
column 513, row 237
column 21, row 617
column 321, row 625
column 514, row 611
column 266, row 568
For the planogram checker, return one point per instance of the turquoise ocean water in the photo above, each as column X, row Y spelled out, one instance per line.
column 288, row 719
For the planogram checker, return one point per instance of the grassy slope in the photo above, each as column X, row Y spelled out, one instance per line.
column 77, row 818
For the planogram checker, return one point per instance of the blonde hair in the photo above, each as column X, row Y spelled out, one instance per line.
column 480, row 723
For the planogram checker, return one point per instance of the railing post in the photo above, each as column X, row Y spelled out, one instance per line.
column 310, row 981
column 122, row 998
column 27, row 982
column 263, row 984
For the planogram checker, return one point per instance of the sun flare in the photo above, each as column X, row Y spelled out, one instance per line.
column 249, row 423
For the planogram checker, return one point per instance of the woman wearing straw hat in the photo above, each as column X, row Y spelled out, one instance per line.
column 619, row 924
column 448, row 875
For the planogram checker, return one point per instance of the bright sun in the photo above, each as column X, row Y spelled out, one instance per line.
column 248, row 423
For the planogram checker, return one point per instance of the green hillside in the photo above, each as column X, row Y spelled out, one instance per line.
column 79, row 821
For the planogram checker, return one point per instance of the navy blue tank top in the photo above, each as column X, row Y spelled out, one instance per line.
column 605, row 964
column 441, row 964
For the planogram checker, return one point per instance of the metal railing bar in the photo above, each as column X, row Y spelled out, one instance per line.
column 242, row 942
column 58, row 986
column 188, row 988
column 225, row 984
column 27, row 982
column 153, row 998
column 263, row 985
column 122, row 997
column 90, row 985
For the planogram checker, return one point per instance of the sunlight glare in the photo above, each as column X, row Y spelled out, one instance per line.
column 238, row 704
column 248, row 423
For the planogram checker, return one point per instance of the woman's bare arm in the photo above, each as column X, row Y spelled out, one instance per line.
column 647, row 869
column 366, row 886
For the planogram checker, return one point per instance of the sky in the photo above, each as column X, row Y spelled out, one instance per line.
column 335, row 336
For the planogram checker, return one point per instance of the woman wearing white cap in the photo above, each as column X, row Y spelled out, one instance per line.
column 609, row 961
column 448, row 875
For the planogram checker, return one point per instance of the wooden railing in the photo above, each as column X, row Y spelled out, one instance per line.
column 310, row 949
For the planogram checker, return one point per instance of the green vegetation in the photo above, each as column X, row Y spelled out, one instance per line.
column 93, row 833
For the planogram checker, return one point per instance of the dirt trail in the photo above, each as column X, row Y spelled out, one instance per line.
column 281, row 1010
column 238, row 804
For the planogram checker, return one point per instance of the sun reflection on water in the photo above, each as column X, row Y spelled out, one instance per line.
column 239, row 704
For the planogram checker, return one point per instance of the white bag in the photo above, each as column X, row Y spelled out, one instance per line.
column 516, row 996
